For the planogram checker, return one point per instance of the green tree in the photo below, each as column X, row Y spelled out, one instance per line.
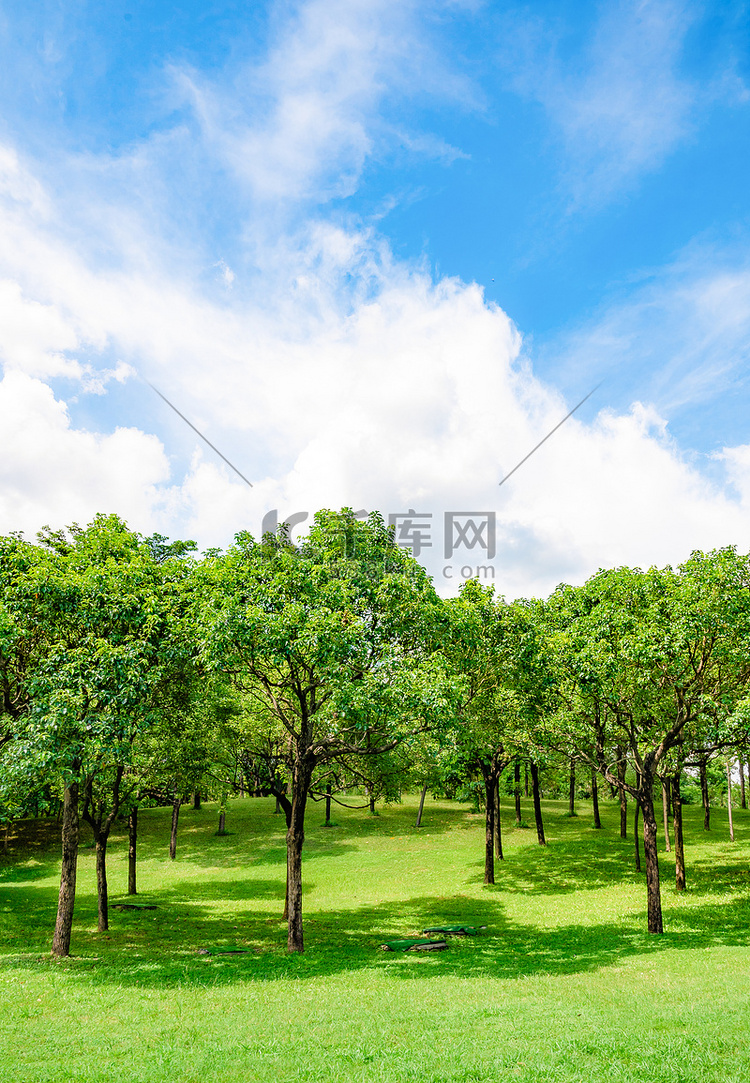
column 105, row 609
column 336, row 638
column 649, row 657
column 499, row 654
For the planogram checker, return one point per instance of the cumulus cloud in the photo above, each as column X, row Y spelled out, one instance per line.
column 409, row 393
column 331, row 372
column 53, row 473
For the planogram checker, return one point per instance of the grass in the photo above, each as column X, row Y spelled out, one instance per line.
column 564, row 984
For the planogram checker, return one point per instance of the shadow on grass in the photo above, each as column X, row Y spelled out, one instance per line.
column 161, row 948
column 345, row 941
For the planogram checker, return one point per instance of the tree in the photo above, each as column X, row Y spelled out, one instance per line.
column 649, row 656
column 336, row 637
column 498, row 655
column 104, row 609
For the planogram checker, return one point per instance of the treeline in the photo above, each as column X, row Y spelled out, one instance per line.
column 133, row 671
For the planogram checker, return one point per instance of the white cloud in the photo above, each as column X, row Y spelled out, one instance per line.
column 681, row 336
column 53, row 473
column 396, row 393
column 330, row 373
column 302, row 124
column 622, row 104
column 19, row 185
column 35, row 336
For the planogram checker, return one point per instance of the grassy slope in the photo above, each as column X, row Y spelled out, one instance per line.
column 563, row 985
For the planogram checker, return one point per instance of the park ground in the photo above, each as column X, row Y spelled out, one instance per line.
column 564, row 983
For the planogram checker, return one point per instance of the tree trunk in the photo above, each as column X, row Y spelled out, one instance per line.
column 595, row 798
column 729, row 800
column 636, row 837
column 489, row 827
column 517, row 790
column 328, row 805
column 421, row 805
column 743, row 802
column 173, row 835
column 572, row 789
column 67, row 897
column 526, row 780
column 665, row 810
column 132, row 844
column 372, row 806
column 537, row 804
column 222, row 824
column 622, row 766
column 295, row 838
column 498, row 831
column 704, row 795
column 277, row 810
column 651, row 855
column 196, row 801
column 101, row 882
column 679, row 845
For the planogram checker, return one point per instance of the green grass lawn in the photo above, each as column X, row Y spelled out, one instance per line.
column 564, row 984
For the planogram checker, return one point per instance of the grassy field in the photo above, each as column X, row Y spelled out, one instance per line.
column 563, row 985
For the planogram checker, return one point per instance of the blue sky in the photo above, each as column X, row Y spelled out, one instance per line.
column 375, row 250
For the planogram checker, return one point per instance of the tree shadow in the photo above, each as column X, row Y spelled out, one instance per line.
column 162, row 948
column 165, row 950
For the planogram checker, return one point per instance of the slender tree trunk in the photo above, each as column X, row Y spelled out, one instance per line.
column 286, row 807
column 498, row 830
column 173, row 835
column 621, row 769
column 67, row 897
column 679, row 845
column 572, row 789
column 517, row 790
column 537, row 804
column 704, row 795
column 595, row 798
column 651, row 856
column 101, row 882
column 295, row 838
column 743, row 802
column 196, row 800
column 636, row 837
column 421, row 805
column 132, row 849
column 328, row 805
column 489, row 828
column 729, row 799
column 222, row 824
column 526, row 779
column 372, row 806
column 665, row 810
column 277, row 810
